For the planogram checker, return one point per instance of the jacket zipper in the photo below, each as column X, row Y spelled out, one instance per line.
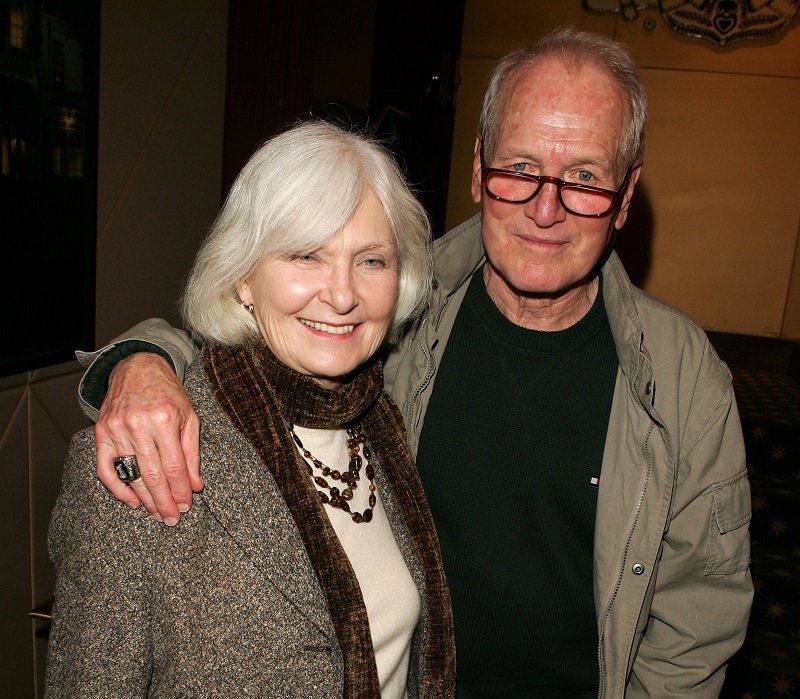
column 411, row 417
column 618, row 584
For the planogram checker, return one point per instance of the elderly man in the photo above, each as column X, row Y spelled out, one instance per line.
column 577, row 439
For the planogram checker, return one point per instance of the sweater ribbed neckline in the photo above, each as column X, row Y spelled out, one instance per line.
column 546, row 342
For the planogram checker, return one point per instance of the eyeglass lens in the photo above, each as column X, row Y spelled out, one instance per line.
column 513, row 188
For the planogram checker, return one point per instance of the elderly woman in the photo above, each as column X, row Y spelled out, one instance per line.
column 309, row 565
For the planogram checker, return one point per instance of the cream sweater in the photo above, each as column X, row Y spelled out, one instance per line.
column 390, row 596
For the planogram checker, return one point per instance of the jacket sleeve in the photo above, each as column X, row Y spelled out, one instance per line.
column 100, row 639
column 703, row 590
column 151, row 335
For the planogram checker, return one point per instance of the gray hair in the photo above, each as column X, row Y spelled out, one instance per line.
column 294, row 195
column 573, row 44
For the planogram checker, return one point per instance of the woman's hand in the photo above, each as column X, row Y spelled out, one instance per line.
column 146, row 413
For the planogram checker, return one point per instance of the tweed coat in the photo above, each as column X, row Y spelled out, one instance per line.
column 226, row 603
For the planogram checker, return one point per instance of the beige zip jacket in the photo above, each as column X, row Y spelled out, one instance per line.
column 672, row 549
column 672, row 582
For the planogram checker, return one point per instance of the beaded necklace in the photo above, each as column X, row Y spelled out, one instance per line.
column 350, row 477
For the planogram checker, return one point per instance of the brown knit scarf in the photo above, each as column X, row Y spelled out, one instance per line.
column 259, row 393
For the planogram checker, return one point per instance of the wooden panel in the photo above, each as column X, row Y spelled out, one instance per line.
column 16, row 647
column 144, row 51
column 791, row 319
column 54, row 416
column 268, row 75
column 474, row 73
column 162, row 108
column 722, row 177
column 494, row 27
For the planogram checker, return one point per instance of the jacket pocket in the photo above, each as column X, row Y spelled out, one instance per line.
column 729, row 533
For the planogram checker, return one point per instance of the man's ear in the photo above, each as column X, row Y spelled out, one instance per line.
column 622, row 215
column 476, row 185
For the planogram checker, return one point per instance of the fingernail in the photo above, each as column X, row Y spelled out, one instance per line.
column 158, row 518
column 183, row 507
column 171, row 521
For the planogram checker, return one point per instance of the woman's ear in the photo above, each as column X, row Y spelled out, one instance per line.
column 244, row 293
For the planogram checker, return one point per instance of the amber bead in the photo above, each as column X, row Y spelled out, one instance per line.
column 356, row 442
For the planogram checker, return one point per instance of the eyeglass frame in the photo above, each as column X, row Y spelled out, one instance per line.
column 616, row 196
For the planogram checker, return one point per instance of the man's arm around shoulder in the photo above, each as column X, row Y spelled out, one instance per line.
column 152, row 335
column 133, row 389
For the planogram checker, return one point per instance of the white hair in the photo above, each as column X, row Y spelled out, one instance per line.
column 294, row 195
column 569, row 43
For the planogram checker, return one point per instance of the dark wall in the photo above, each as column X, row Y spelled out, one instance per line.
column 384, row 67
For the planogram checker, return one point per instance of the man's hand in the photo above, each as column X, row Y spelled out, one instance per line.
column 146, row 413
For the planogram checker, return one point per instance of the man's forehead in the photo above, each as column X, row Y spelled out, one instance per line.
column 563, row 103
column 554, row 78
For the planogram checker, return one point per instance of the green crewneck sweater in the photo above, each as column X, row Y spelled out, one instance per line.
column 509, row 455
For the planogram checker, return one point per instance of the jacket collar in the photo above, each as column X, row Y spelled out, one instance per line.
column 635, row 362
column 456, row 257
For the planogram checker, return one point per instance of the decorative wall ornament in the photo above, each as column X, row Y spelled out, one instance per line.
column 722, row 22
